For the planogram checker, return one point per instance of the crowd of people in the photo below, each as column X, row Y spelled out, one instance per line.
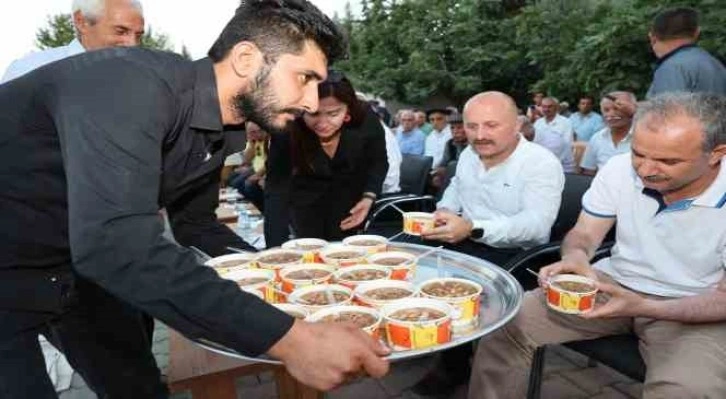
column 98, row 137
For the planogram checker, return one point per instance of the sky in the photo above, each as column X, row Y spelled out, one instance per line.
column 194, row 26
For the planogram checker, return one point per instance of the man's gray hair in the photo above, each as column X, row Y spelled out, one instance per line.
column 631, row 96
column 92, row 9
column 708, row 109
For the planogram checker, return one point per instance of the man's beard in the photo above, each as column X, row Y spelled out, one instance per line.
column 261, row 106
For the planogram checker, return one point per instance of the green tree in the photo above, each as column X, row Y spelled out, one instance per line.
column 411, row 50
column 60, row 31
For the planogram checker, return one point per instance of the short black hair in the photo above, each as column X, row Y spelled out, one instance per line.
column 675, row 23
column 280, row 27
column 587, row 97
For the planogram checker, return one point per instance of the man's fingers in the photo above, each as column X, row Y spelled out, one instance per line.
column 374, row 365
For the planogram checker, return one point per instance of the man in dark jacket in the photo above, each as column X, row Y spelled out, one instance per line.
column 92, row 147
column 682, row 65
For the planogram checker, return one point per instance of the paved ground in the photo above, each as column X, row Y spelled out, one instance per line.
column 567, row 376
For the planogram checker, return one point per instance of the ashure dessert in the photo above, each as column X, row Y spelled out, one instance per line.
column 417, row 314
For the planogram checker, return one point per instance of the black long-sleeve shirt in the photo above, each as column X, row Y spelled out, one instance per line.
column 90, row 148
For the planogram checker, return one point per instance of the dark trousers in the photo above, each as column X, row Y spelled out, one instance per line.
column 104, row 339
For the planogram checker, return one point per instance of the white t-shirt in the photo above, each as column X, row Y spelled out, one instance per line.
column 515, row 202
column 673, row 251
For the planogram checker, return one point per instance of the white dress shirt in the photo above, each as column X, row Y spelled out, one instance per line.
column 35, row 60
column 672, row 250
column 436, row 142
column 552, row 141
column 393, row 178
column 515, row 202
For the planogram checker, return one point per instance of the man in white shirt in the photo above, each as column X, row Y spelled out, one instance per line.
column 616, row 137
column 393, row 177
column 507, row 189
column 508, row 192
column 440, row 134
column 555, row 132
column 665, row 280
column 99, row 24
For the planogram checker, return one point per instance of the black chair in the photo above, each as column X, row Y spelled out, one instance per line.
column 415, row 173
column 619, row 352
column 414, row 176
column 450, row 172
column 571, row 205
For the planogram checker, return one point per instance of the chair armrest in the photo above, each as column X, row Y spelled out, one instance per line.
column 520, row 261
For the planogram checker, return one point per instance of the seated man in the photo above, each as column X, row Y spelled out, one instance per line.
column 246, row 178
column 452, row 150
column 617, row 107
column 411, row 140
column 508, row 191
column 554, row 132
column 665, row 280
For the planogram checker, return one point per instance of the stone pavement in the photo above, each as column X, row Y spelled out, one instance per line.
column 567, row 376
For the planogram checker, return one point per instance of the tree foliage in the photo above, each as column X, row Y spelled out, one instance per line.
column 411, row 50
column 60, row 31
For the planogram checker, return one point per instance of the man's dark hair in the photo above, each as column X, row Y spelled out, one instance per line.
column 587, row 97
column 675, row 23
column 280, row 27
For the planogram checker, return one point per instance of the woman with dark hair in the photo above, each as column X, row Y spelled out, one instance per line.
column 339, row 163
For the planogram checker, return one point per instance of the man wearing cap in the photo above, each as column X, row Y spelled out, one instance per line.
column 453, row 148
column 440, row 134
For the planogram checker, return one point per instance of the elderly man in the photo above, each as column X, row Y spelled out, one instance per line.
column 505, row 196
column 452, row 150
column 99, row 24
column 616, row 137
column 585, row 121
column 411, row 140
column 682, row 65
column 665, row 280
column 440, row 134
column 84, row 253
column 554, row 132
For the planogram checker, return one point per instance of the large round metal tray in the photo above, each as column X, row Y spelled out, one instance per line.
column 501, row 298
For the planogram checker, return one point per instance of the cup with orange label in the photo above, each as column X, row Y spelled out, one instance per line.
column 417, row 323
column 571, row 293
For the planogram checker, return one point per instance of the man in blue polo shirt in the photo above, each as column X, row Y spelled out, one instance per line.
column 665, row 281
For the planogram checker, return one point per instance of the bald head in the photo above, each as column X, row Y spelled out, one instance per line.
column 495, row 99
column 491, row 125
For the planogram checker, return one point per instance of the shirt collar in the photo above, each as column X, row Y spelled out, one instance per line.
column 713, row 197
column 76, row 47
column 628, row 137
column 206, row 114
column 673, row 52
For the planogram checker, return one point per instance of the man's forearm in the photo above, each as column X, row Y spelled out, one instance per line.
column 704, row 308
column 578, row 245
